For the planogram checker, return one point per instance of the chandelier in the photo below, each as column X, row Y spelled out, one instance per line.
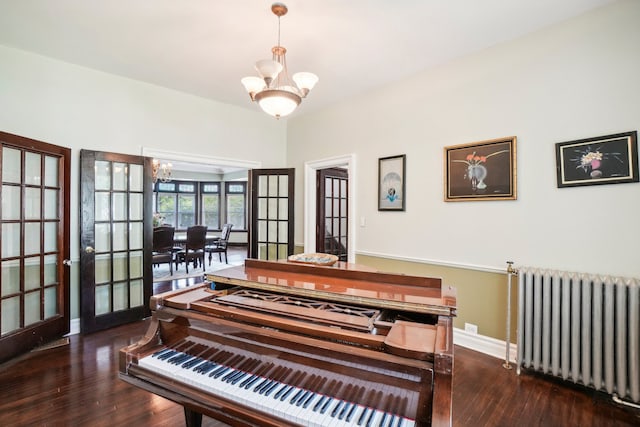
column 161, row 171
column 274, row 91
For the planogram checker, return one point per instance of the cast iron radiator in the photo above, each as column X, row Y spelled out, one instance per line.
column 583, row 328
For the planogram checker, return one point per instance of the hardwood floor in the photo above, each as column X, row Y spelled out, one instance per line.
column 77, row 384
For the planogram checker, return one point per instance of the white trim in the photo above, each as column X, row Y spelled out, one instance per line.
column 487, row 269
column 483, row 344
column 74, row 327
column 199, row 158
column 310, row 169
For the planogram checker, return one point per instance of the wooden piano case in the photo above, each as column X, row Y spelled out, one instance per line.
column 377, row 340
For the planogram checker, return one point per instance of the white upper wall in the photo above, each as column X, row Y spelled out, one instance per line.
column 77, row 107
column 575, row 80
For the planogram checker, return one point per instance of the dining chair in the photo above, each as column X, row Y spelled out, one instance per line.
column 220, row 245
column 193, row 248
column 162, row 252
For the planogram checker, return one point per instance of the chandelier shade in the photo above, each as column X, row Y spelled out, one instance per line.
column 274, row 91
column 278, row 102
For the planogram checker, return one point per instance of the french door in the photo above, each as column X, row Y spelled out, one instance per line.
column 34, row 285
column 271, row 208
column 116, row 239
column 332, row 212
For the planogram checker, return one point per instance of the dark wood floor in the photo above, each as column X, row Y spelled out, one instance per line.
column 76, row 384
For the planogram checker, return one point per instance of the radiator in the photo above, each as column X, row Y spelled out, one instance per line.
column 583, row 328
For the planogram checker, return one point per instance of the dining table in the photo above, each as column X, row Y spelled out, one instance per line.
column 180, row 238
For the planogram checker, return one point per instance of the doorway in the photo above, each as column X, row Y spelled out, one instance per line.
column 348, row 163
column 332, row 212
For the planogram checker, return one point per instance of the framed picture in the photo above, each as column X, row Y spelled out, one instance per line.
column 609, row 159
column 483, row 170
column 391, row 187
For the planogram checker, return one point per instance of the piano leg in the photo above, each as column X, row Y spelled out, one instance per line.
column 192, row 418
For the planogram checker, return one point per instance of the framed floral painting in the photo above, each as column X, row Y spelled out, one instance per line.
column 484, row 170
column 609, row 159
column 391, row 187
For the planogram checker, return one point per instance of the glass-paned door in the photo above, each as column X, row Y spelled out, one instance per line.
column 272, row 206
column 332, row 212
column 116, row 218
column 34, row 284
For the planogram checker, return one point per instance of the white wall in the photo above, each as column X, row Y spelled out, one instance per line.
column 575, row 80
column 76, row 107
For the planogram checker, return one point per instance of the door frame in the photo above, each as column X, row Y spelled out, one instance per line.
column 199, row 158
column 310, row 196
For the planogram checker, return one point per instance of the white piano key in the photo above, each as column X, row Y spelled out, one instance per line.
column 236, row 384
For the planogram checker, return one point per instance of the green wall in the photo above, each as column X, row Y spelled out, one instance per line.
column 482, row 296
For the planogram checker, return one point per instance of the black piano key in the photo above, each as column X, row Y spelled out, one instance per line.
column 319, row 404
column 363, row 415
column 315, row 385
column 162, row 352
column 178, row 358
column 280, row 391
column 370, row 419
column 296, row 396
column 240, row 377
column 191, row 363
column 238, row 374
column 169, row 353
column 287, row 392
column 217, row 372
column 267, row 386
column 358, row 395
column 351, row 412
column 303, row 398
column 204, row 369
column 280, row 375
column 326, row 405
column 335, row 412
column 392, row 419
column 346, row 409
column 249, row 381
column 271, row 388
column 375, row 403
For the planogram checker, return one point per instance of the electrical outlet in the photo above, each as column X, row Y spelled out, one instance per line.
column 471, row 328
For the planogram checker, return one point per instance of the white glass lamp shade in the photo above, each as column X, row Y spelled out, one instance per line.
column 253, row 84
column 268, row 69
column 305, row 80
column 277, row 103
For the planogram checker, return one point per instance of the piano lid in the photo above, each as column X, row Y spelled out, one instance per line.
column 343, row 282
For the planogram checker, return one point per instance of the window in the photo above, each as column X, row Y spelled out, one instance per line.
column 235, row 203
column 210, row 202
column 186, row 203
column 176, row 203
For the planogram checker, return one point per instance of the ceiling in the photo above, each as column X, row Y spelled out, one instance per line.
column 204, row 47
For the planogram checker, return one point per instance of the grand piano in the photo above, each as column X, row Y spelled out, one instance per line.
column 277, row 343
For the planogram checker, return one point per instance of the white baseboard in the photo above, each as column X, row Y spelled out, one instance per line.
column 483, row 344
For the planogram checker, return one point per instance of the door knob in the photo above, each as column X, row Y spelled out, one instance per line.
column 66, row 262
column 89, row 250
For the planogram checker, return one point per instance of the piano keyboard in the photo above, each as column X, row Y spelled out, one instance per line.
column 294, row 393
